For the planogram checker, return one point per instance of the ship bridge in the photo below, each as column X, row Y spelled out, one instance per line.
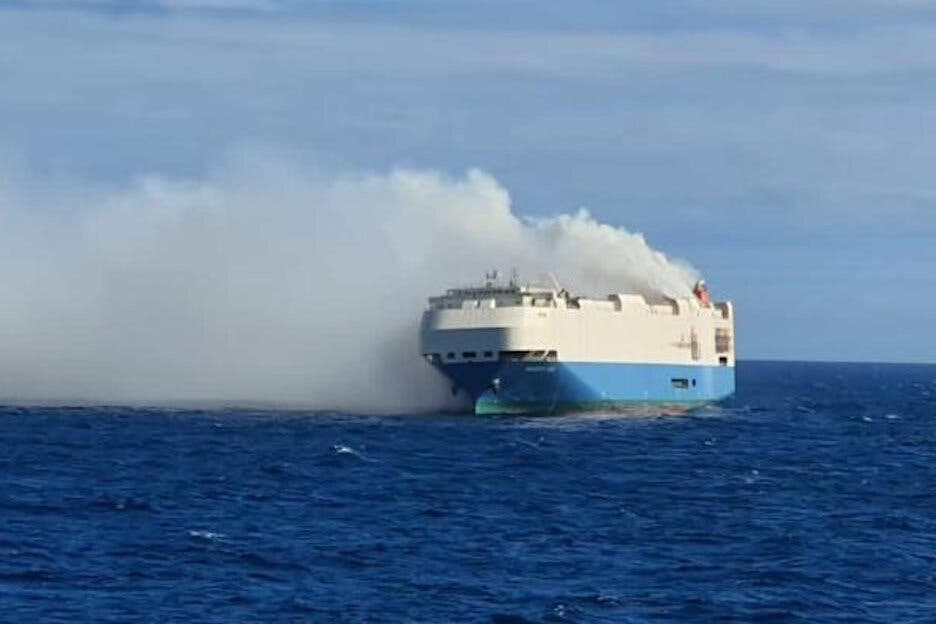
column 500, row 297
column 531, row 296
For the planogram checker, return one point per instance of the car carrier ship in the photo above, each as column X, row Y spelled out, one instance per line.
column 515, row 349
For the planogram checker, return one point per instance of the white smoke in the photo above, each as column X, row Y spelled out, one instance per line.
column 268, row 283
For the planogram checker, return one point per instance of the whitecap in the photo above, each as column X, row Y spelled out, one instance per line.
column 205, row 535
column 341, row 449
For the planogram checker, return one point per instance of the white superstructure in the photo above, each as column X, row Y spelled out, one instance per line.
column 483, row 323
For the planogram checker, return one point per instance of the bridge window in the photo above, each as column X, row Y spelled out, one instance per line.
column 469, row 355
column 449, row 356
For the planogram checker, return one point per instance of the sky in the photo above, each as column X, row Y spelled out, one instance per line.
column 782, row 149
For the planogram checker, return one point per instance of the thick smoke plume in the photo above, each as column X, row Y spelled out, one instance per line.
column 266, row 283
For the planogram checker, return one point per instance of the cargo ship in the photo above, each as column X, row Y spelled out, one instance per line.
column 533, row 349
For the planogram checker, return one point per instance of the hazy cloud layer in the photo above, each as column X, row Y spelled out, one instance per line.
column 783, row 148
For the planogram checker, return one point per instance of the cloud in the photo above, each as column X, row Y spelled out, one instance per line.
column 809, row 40
column 219, row 5
column 152, row 6
column 746, row 135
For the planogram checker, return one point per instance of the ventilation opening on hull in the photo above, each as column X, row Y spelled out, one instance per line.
column 723, row 361
column 722, row 340
column 680, row 383
column 528, row 356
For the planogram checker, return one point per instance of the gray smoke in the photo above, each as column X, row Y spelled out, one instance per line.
column 269, row 283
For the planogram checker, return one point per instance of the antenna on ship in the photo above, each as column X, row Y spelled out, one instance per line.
column 555, row 281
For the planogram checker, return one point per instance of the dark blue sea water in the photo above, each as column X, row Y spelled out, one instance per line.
column 809, row 498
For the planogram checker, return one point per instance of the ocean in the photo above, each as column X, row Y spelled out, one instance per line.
column 809, row 497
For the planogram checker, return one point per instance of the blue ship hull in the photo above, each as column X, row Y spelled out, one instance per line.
column 549, row 387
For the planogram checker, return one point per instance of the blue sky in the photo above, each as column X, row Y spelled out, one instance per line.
column 781, row 148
